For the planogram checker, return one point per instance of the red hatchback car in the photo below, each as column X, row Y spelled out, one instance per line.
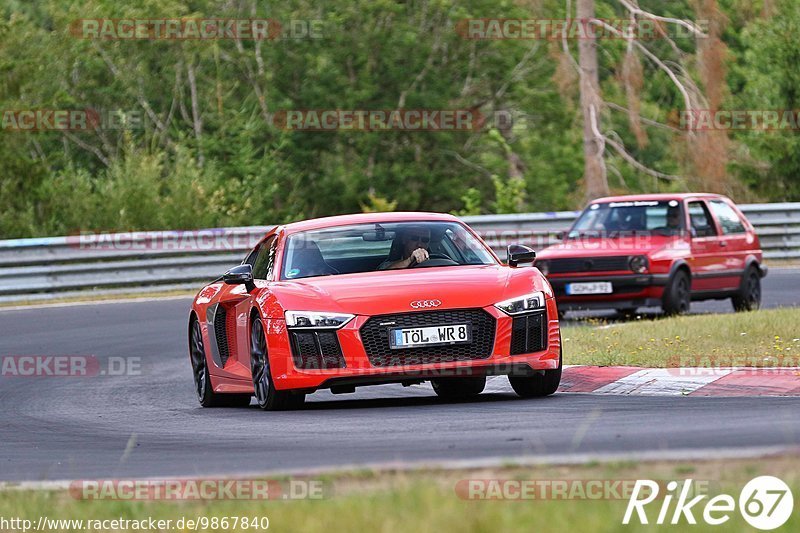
column 340, row 302
column 665, row 250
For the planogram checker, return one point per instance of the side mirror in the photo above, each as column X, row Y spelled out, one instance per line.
column 560, row 235
column 240, row 275
column 518, row 253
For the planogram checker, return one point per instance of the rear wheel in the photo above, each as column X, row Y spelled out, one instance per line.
column 202, row 380
column 678, row 294
column 748, row 298
column 268, row 398
column 543, row 383
column 458, row 388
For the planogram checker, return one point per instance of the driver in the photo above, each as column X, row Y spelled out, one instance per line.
column 411, row 249
column 674, row 218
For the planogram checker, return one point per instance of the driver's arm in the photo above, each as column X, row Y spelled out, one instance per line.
column 420, row 255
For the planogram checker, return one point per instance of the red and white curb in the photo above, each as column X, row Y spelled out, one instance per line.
column 627, row 380
column 631, row 380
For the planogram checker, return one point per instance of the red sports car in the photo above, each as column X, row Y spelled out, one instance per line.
column 340, row 302
column 661, row 250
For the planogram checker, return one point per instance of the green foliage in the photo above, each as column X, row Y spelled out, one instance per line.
column 472, row 203
column 770, row 80
column 209, row 155
column 509, row 194
column 378, row 204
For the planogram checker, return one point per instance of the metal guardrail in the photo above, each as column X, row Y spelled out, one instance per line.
column 50, row 267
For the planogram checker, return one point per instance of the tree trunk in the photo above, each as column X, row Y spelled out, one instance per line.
column 595, row 181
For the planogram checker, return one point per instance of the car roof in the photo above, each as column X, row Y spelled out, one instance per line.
column 659, row 196
column 366, row 218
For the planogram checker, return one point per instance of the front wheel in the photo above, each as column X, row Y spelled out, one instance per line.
column 678, row 294
column 541, row 384
column 748, row 298
column 267, row 396
column 458, row 388
column 202, row 380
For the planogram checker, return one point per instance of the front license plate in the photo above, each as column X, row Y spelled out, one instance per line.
column 430, row 336
column 596, row 287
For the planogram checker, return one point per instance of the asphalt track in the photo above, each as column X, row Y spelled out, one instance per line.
column 150, row 425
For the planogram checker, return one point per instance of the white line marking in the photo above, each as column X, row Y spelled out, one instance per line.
column 680, row 454
column 663, row 381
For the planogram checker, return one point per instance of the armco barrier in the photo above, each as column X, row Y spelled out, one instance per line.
column 54, row 266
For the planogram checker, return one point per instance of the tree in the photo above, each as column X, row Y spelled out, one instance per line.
column 595, row 140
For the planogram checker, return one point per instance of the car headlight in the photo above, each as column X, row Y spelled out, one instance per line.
column 316, row 319
column 522, row 304
column 543, row 266
column 638, row 264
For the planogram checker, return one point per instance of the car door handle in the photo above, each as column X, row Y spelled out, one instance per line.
column 723, row 243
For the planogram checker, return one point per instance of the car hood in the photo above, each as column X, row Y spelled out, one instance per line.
column 594, row 247
column 373, row 293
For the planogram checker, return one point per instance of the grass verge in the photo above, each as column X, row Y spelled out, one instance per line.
column 428, row 500
column 761, row 338
column 89, row 297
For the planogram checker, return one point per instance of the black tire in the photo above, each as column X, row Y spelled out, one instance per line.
column 540, row 384
column 267, row 397
column 748, row 298
column 202, row 380
column 678, row 294
column 458, row 388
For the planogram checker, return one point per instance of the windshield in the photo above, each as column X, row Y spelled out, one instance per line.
column 371, row 247
column 618, row 218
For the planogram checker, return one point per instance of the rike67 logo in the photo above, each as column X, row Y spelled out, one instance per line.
column 765, row 503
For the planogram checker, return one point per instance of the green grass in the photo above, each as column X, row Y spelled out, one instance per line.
column 761, row 338
column 427, row 500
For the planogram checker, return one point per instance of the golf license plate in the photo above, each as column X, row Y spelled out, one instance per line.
column 430, row 336
column 595, row 287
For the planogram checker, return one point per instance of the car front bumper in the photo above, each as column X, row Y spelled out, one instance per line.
column 358, row 370
column 629, row 290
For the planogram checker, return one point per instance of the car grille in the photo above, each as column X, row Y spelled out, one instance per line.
column 316, row 349
column 588, row 264
column 375, row 337
column 529, row 333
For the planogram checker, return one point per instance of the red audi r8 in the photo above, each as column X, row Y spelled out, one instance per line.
column 340, row 302
column 666, row 250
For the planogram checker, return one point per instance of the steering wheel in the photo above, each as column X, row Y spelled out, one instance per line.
column 434, row 260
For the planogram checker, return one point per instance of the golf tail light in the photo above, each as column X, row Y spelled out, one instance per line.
column 316, row 319
column 522, row 304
